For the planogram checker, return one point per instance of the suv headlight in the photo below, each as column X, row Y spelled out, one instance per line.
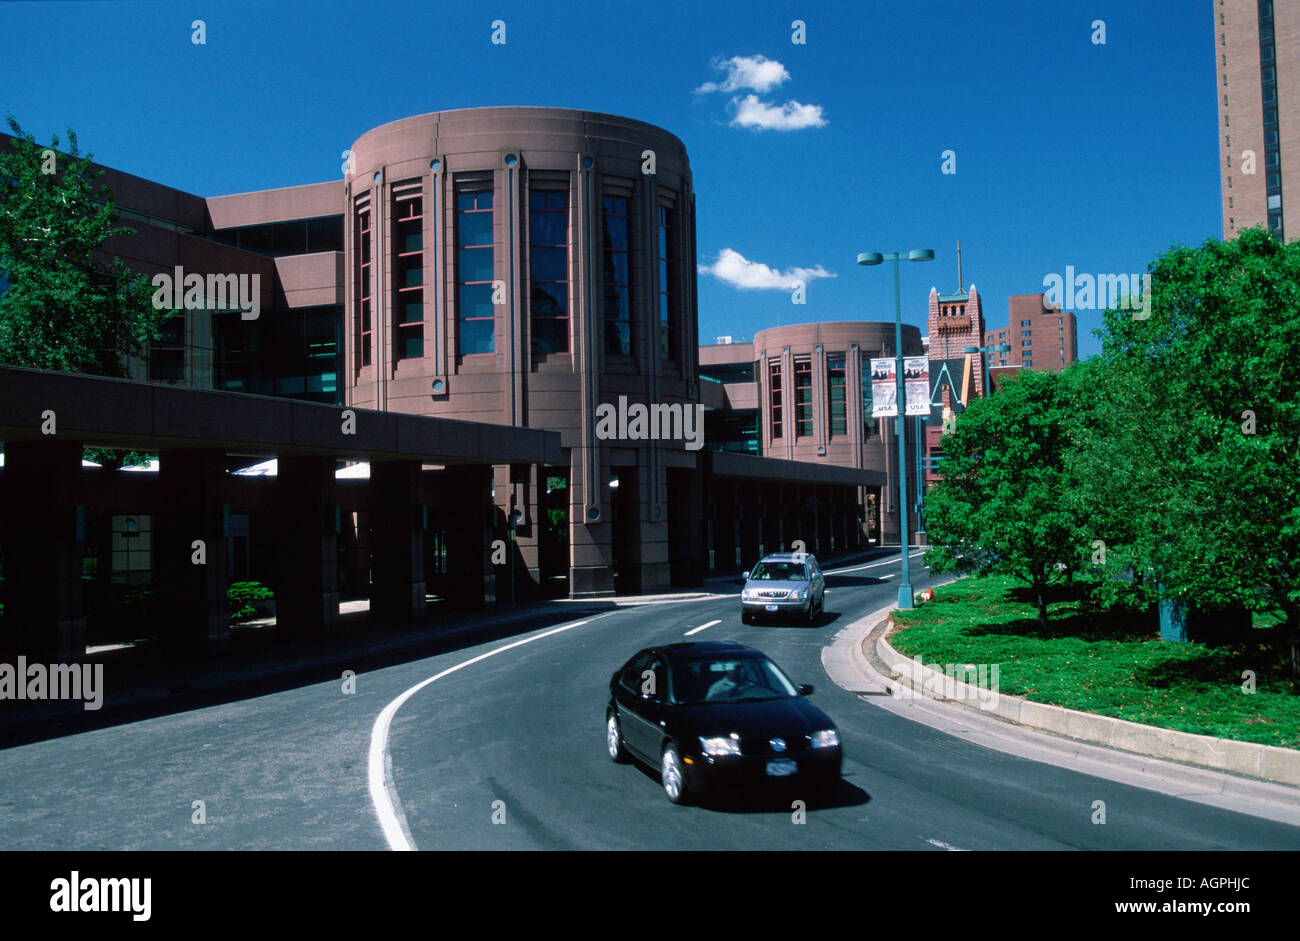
column 721, row 745
column 827, row 738
column 746, row 594
column 800, row 594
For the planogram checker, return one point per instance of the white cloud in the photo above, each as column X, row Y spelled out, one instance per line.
column 791, row 116
column 756, row 72
column 738, row 271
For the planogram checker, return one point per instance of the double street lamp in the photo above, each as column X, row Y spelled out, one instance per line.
column 875, row 258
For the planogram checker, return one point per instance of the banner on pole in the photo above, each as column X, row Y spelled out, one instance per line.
column 916, row 383
column 884, row 388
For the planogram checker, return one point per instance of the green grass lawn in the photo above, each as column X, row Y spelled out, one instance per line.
column 1108, row 663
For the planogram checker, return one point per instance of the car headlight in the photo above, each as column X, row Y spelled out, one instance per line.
column 746, row 594
column 800, row 594
column 827, row 738
column 721, row 745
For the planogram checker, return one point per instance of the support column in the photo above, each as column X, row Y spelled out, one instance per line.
column 685, row 525
column 397, row 567
column 44, row 535
column 192, row 579
column 825, row 540
column 724, row 527
column 750, row 508
column 471, row 579
column 307, row 597
column 591, row 553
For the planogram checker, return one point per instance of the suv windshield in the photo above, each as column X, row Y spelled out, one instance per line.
column 733, row 680
column 779, row 572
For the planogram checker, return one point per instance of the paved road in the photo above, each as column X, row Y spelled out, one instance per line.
column 520, row 733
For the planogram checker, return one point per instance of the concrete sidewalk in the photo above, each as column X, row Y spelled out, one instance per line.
column 860, row 660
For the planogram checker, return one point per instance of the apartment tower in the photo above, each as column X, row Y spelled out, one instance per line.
column 1257, row 64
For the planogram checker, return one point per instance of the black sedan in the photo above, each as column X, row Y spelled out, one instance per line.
column 720, row 716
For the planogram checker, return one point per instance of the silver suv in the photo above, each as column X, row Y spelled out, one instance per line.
column 783, row 583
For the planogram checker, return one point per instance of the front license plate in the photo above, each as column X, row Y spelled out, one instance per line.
column 770, row 607
column 781, row 767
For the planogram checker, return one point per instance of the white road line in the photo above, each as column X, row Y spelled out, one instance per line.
column 382, row 792
column 873, row 565
column 696, row 630
column 947, row 846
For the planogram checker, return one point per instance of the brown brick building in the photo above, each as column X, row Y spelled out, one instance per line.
column 1040, row 336
column 1257, row 66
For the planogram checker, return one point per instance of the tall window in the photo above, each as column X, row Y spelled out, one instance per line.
column 408, row 271
column 548, row 269
column 668, row 274
column 837, row 410
column 774, row 385
column 618, row 277
column 167, row 353
column 475, row 264
column 867, row 421
column 803, row 404
column 365, row 282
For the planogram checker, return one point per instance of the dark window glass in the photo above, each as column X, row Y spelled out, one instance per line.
column 476, row 337
column 548, row 273
column 867, row 421
column 835, row 385
column 365, row 285
column 476, row 301
column 293, row 353
column 669, row 296
column 550, row 263
column 803, row 398
column 774, row 385
column 408, row 281
column 617, row 279
column 475, row 315
column 476, row 264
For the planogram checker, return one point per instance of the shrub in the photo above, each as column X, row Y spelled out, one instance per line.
column 244, row 598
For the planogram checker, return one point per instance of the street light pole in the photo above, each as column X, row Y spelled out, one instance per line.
column 875, row 258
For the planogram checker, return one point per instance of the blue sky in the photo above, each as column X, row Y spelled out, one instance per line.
column 1067, row 152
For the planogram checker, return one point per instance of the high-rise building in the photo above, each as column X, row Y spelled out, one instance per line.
column 1257, row 65
column 1040, row 336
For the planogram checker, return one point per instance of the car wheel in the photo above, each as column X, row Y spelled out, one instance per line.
column 812, row 612
column 671, row 775
column 614, row 739
column 746, row 617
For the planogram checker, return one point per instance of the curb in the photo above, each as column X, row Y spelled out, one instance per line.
column 1248, row 759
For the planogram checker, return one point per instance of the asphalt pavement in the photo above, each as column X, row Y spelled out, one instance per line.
column 505, row 749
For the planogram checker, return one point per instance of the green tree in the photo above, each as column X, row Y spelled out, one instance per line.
column 1004, row 505
column 67, row 306
column 1191, row 445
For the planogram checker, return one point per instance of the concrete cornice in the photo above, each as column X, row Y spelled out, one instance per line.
column 149, row 416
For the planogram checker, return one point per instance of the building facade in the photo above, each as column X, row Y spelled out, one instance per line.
column 525, row 266
column 1257, row 67
column 493, row 269
column 1041, row 336
column 803, row 393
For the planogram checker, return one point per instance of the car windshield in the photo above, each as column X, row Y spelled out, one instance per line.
column 779, row 572
column 729, row 680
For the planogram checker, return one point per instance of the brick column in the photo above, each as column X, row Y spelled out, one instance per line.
column 196, row 612
column 307, row 596
column 470, row 576
column 397, row 550
column 44, row 537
